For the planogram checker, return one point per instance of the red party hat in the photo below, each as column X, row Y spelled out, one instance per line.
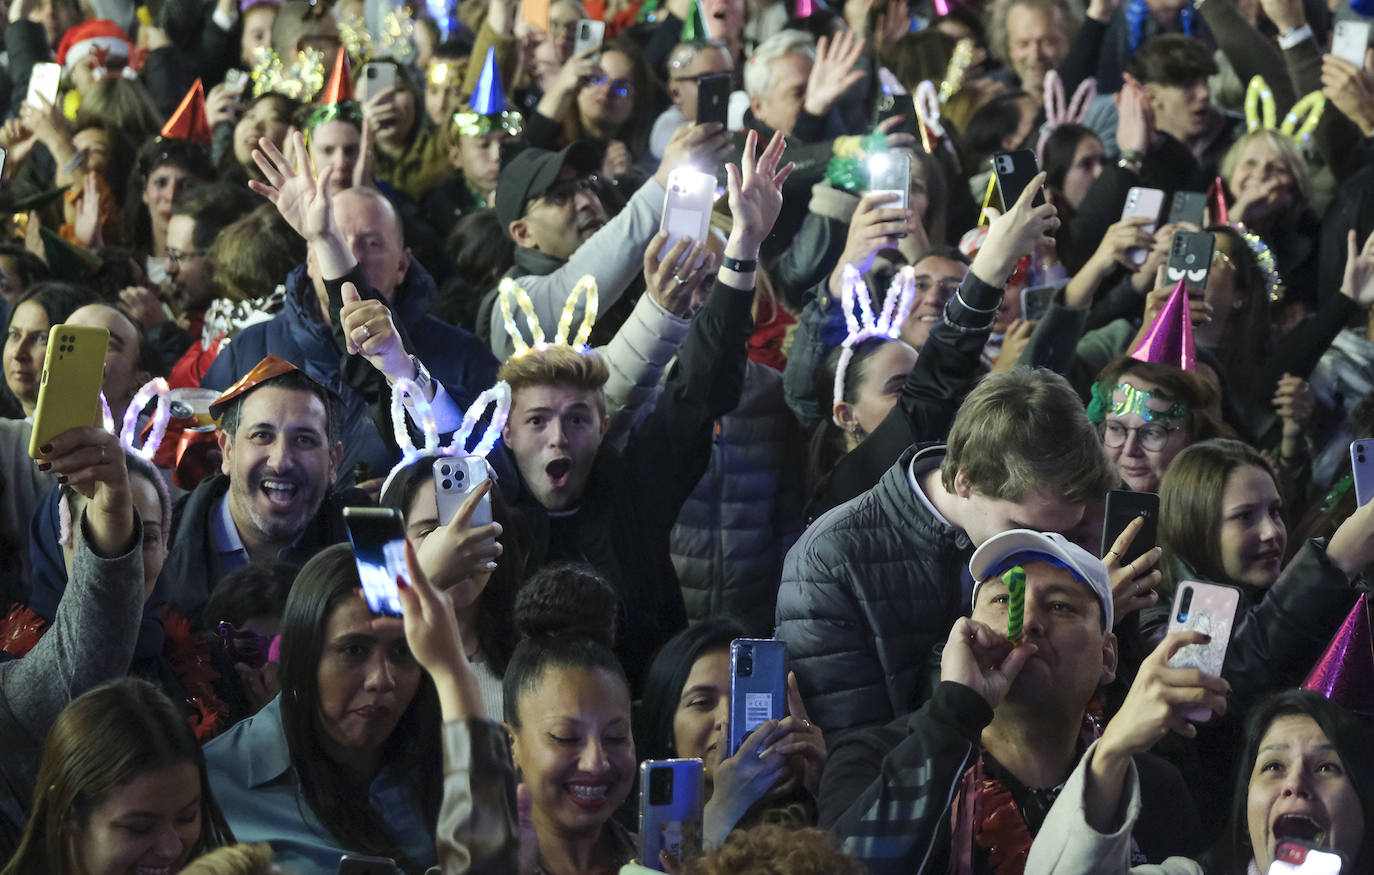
column 189, row 122
column 1169, row 339
column 1216, row 199
column 340, row 85
column 1345, row 672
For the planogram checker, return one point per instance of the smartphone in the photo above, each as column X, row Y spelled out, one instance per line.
column 670, row 806
column 378, row 537
column 1190, row 259
column 1294, row 857
column 356, row 864
column 1361, row 465
column 69, row 390
column 1123, row 506
column 1035, row 301
column 378, row 76
column 235, row 81
column 1142, row 203
column 893, row 105
column 1188, row 206
column 1350, row 40
column 687, row 209
column 758, row 686
column 454, row 479
column 4, row 156
column 713, row 99
column 589, row 35
column 1013, row 172
column 43, row 82
column 1209, row 608
column 890, row 173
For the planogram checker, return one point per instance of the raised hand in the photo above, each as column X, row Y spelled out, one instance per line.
column 1134, row 582
column 675, row 281
column 743, row 779
column 702, row 146
column 1017, row 338
column 1358, row 282
column 802, row 743
column 1016, row 233
column 371, row 333
column 222, row 106
column 1135, row 118
column 302, row 200
column 982, row 659
column 86, row 224
column 833, row 72
column 91, row 461
column 1351, row 89
column 458, row 551
column 1161, row 697
column 756, row 192
column 873, row 226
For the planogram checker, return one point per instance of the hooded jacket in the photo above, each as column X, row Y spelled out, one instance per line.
column 454, row 357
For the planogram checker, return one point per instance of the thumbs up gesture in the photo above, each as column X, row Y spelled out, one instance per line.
column 370, row 333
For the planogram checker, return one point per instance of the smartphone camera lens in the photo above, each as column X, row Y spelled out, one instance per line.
column 660, row 786
column 448, row 484
column 1184, row 604
column 744, row 666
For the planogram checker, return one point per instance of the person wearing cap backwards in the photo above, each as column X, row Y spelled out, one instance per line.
column 547, row 204
column 354, row 239
column 279, row 435
column 963, row 784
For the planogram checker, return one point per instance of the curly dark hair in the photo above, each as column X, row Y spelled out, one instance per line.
column 774, row 849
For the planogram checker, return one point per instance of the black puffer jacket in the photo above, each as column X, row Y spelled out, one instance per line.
column 869, row 590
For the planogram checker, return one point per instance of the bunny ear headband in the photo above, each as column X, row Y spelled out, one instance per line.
column 509, row 289
column 128, row 431
column 1057, row 114
column 1300, row 122
column 865, row 325
column 498, row 395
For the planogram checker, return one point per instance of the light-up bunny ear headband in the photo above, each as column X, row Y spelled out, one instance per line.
column 865, row 325
column 1301, row 120
column 128, row 431
column 420, row 409
column 1058, row 113
column 509, row 289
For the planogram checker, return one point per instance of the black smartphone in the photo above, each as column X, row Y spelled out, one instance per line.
column 356, row 864
column 378, row 536
column 1123, row 506
column 1187, row 206
column 713, row 98
column 893, row 105
column 1014, row 171
column 1190, row 259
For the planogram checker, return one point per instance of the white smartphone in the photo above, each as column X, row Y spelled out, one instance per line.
column 1146, row 202
column 890, row 173
column 454, row 479
column 687, row 209
column 1209, row 608
column 1350, row 40
column 235, row 81
column 378, row 76
column 590, row 34
column 43, row 82
column 1362, row 466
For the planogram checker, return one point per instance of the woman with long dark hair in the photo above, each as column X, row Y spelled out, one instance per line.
column 345, row 759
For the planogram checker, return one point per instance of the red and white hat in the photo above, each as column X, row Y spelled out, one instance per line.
column 99, row 35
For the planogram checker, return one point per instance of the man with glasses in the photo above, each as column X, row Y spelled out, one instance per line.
column 687, row 65
column 548, row 206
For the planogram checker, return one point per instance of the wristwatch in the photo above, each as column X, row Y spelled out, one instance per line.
column 422, row 377
column 1131, row 161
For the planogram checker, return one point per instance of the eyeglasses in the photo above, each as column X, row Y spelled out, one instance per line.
column 1152, row 436
column 619, row 87
column 176, row 256
column 565, row 190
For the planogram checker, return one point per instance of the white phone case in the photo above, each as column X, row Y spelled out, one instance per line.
column 43, row 80
column 454, row 479
column 1143, row 202
column 1362, row 466
column 1350, row 40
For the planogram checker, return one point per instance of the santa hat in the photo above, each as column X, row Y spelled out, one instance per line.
column 98, row 35
column 1169, row 339
column 1345, row 672
column 190, row 122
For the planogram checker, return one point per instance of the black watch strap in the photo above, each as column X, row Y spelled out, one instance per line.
column 739, row 265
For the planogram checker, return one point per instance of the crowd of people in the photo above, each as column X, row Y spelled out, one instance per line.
column 638, row 276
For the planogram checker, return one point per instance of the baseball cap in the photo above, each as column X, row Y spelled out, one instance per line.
column 1019, row 546
column 531, row 172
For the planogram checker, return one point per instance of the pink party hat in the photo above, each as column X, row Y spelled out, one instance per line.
column 804, row 9
column 1345, row 672
column 1216, row 199
column 1169, row 339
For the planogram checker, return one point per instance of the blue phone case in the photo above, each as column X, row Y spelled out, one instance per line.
column 758, row 685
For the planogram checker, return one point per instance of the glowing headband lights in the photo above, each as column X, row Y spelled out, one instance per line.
column 865, row 325
column 128, row 431
column 509, row 289
column 423, row 413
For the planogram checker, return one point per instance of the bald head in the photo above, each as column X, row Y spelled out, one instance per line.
column 125, row 371
column 373, row 230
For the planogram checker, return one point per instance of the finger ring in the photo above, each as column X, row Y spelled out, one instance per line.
column 1112, row 553
column 365, row 330
column 680, row 280
column 102, row 454
column 808, row 724
column 762, row 751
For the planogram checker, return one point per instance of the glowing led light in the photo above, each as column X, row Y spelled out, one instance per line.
column 864, row 325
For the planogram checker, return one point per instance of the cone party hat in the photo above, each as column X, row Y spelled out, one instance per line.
column 1345, row 672
column 190, row 122
column 1169, row 339
column 694, row 29
column 340, row 85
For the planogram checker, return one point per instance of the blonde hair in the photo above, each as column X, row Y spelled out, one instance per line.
column 1288, row 156
column 234, row 860
column 558, row 366
column 999, row 41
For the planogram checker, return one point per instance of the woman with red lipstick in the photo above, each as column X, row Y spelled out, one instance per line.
column 345, row 759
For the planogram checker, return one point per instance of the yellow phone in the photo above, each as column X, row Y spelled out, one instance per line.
column 73, row 372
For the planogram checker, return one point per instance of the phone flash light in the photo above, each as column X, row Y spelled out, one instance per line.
column 687, row 179
column 878, row 163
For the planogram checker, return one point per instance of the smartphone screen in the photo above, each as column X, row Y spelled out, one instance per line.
column 1190, row 259
column 758, row 686
column 890, row 173
column 713, row 99
column 378, row 537
column 1014, row 171
column 1123, row 507
column 1209, row 608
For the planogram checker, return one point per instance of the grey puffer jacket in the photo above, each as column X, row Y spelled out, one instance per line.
column 746, row 512
column 867, row 593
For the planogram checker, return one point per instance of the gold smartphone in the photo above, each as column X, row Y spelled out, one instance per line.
column 73, row 372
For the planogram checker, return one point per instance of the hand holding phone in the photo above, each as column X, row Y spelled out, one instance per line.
column 379, row 540
column 758, row 686
column 1150, row 709
column 1209, row 609
column 69, row 388
column 1350, row 40
column 1014, row 171
column 670, row 810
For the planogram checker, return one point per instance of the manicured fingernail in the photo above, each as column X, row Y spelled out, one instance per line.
column 490, row 566
column 44, row 466
column 401, row 582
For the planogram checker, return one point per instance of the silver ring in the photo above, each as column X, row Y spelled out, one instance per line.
column 762, row 751
column 102, row 454
column 680, row 280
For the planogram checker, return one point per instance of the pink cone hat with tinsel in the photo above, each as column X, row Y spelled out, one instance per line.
column 1345, row 672
column 1169, row 339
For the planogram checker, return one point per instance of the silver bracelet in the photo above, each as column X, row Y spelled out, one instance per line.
column 959, row 296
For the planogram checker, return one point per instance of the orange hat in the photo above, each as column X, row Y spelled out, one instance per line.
column 340, row 85
column 269, row 368
column 189, row 122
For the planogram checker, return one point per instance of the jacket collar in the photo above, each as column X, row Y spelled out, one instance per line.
column 264, row 736
column 532, row 262
column 906, row 509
